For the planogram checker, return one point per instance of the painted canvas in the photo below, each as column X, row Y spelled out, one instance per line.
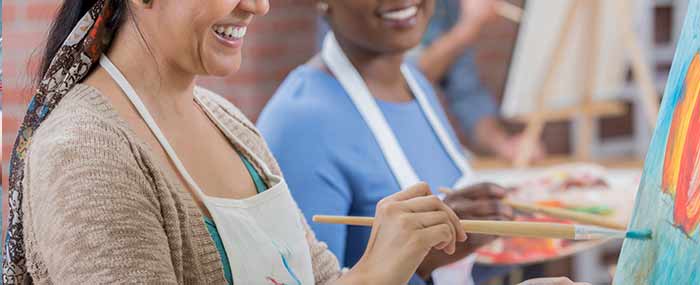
column 668, row 201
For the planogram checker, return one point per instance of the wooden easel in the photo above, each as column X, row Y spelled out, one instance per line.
column 588, row 110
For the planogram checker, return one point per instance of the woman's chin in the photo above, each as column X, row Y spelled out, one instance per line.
column 222, row 68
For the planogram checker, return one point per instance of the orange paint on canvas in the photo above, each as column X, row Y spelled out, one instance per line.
column 679, row 130
column 681, row 172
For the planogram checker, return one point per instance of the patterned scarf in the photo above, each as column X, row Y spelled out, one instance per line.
column 73, row 61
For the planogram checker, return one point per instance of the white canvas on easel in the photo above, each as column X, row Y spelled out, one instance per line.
column 571, row 62
column 537, row 39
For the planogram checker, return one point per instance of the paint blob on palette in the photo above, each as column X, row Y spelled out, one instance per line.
column 668, row 201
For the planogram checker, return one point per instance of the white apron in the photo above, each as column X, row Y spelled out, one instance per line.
column 262, row 235
column 355, row 86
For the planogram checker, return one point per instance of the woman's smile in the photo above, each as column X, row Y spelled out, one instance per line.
column 230, row 35
column 404, row 16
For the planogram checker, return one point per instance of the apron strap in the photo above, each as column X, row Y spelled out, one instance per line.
column 355, row 86
column 363, row 100
column 124, row 84
column 452, row 150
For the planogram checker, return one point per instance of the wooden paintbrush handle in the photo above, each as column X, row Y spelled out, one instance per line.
column 344, row 220
column 520, row 229
column 498, row 228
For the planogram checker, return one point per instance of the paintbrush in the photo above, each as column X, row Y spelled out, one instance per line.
column 514, row 229
column 583, row 218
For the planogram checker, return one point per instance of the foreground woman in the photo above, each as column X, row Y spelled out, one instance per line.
column 125, row 172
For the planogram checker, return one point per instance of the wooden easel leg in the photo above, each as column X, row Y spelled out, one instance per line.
column 532, row 134
column 586, row 121
column 535, row 123
column 643, row 73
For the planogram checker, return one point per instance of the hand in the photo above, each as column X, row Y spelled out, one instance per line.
column 551, row 281
column 513, row 145
column 477, row 12
column 480, row 202
column 407, row 226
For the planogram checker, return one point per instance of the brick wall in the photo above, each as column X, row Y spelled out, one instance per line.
column 275, row 44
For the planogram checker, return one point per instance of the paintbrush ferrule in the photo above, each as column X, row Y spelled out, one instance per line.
column 583, row 232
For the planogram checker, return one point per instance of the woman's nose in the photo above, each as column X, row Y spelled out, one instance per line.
column 255, row 7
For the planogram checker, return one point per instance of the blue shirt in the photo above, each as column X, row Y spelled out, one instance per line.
column 467, row 97
column 331, row 160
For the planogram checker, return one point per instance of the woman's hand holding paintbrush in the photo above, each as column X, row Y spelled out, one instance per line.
column 482, row 201
column 476, row 202
column 508, row 228
column 407, row 225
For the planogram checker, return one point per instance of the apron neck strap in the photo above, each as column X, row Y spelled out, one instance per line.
column 359, row 93
column 124, row 84
column 352, row 82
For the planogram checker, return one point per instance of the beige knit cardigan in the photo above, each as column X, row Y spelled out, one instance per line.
column 99, row 209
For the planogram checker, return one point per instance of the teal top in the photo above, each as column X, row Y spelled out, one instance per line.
column 211, row 226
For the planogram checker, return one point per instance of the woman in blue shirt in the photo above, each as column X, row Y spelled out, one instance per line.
column 357, row 124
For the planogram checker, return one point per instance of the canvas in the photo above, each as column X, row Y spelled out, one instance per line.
column 542, row 23
column 668, row 200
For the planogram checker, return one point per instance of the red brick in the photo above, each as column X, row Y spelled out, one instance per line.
column 41, row 11
column 9, row 12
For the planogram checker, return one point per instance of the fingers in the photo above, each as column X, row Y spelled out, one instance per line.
column 480, row 209
column 435, row 236
column 432, row 203
column 429, row 219
column 481, row 191
column 424, row 204
column 418, row 199
column 418, row 190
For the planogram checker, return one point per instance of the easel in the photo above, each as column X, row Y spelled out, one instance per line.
column 588, row 110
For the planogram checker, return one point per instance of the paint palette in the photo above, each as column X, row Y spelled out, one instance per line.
column 581, row 187
column 521, row 251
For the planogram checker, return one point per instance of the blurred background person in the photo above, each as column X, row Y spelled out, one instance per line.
column 447, row 59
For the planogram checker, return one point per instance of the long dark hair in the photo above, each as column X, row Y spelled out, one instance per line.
column 63, row 65
column 68, row 16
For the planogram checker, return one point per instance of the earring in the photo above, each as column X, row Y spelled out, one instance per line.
column 322, row 6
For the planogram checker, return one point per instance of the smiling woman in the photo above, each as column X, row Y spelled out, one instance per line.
column 380, row 26
column 109, row 186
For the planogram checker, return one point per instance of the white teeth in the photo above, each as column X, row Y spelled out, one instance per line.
column 402, row 14
column 239, row 32
column 230, row 32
